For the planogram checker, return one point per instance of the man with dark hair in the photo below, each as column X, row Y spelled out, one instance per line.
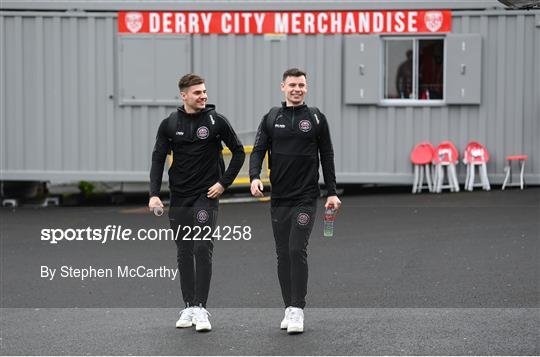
column 197, row 178
column 404, row 77
column 294, row 135
column 189, row 80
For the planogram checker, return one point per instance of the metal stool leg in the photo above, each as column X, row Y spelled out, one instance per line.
column 421, row 182
column 468, row 175
column 484, row 176
column 427, row 168
column 470, row 184
column 415, row 181
column 508, row 170
column 456, row 181
column 522, row 163
column 435, row 177
column 449, row 177
column 452, row 177
column 440, row 177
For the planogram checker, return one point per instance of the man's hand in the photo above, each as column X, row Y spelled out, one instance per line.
column 215, row 191
column 257, row 188
column 333, row 202
column 154, row 202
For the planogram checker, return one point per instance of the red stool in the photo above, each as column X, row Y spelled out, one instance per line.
column 446, row 156
column 508, row 169
column 476, row 154
column 422, row 157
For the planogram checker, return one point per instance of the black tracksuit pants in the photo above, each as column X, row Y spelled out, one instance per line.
column 292, row 223
column 194, row 256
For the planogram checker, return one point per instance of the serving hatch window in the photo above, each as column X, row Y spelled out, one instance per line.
column 414, row 68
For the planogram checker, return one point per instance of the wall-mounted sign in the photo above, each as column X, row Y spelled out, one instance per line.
column 291, row 22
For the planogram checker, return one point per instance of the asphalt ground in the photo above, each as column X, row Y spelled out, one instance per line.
column 455, row 273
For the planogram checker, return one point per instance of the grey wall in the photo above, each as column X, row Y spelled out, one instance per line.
column 61, row 118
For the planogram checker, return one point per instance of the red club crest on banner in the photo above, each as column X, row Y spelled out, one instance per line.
column 433, row 20
column 133, row 21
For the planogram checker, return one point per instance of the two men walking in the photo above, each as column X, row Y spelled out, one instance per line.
column 294, row 135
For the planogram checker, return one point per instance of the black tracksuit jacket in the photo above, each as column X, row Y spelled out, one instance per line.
column 295, row 142
column 196, row 145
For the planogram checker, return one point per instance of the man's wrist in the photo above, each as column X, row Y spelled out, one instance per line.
column 223, row 184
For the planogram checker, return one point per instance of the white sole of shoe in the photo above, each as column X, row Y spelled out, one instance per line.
column 294, row 330
column 203, row 328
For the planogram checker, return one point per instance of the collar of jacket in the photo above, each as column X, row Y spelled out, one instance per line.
column 291, row 108
column 198, row 114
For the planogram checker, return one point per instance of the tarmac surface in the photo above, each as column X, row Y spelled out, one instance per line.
column 454, row 273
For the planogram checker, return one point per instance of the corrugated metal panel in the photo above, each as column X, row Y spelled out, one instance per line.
column 61, row 119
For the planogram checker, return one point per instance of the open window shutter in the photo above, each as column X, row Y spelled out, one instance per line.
column 463, row 69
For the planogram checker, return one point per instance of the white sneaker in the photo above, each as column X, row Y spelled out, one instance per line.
column 296, row 320
column 285, row 320
column 200, row 318
column 186, row 318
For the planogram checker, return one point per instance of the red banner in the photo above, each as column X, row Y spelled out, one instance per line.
column 291, row 22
